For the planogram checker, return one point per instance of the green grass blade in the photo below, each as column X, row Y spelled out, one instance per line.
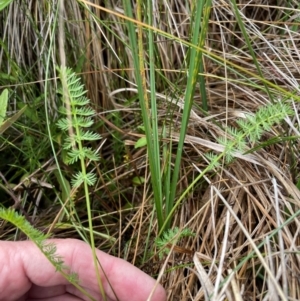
column 3, row 105
column 8, row 122
column 4, row 3
column 154, row 114
column 195, row 61
column 203, row 34
column 138, row 58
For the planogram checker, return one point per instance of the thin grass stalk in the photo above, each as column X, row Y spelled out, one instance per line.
column 202, row 79
column 253, row 245
column 147, row 241
column 195, row 60
column 247, row 40
column 91, row 231
column 48, row 123
column 138, row 59
column 154, row 114
column 167, row 163
column 218, row 59
column 46, row 110
column 80, row 146
column 203, row 87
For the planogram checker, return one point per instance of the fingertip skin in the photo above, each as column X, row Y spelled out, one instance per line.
column 12, row 272
column 23, row 268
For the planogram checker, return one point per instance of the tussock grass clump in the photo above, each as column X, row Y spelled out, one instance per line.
column 174, row 88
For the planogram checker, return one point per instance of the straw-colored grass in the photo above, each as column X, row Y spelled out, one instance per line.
column 244, row 214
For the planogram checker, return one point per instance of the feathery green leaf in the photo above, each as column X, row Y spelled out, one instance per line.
column 252, row 127
column 78, row 119
column 171, row 236
column 80, row 178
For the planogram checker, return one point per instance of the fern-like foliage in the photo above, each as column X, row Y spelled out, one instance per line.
column 169, row 238
column 22, row 224
column 250, row 129
column 263, row 120
column 78, row 117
